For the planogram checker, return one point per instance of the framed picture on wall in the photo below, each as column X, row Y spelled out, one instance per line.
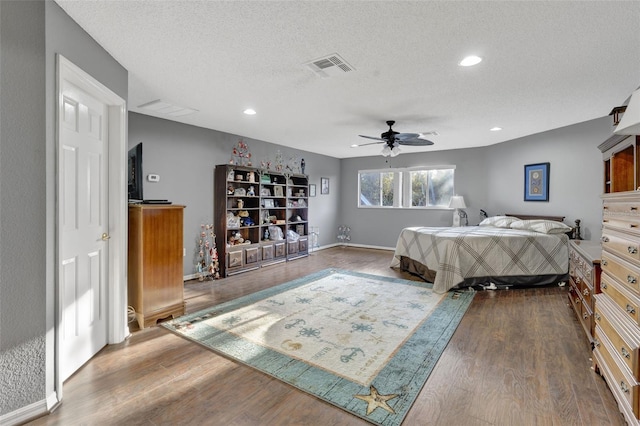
column 324, row 185
column 312, row 190
column 536, row 182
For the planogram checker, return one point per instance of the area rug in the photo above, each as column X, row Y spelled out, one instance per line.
column 364, row 343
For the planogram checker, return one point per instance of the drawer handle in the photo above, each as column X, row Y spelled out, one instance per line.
column 632, row 250
column 631, row 279
column 633, row 225
column 577, row 300
column 578, row 280
column 625, row 353
column 604, row 262
column 604, row 286
column 585, row 316
column 597, row 316
column 623, row 387
column 596, row 343
column 633, row 209
column 630, row 309
column 605, row 239
column 585, row 291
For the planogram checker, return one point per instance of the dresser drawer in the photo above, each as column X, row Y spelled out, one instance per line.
column 620, row 379
column 627, row 273
column 624, row 341
column 621, row 223
column 627, row 301
column 584, row 287
column 621, row 209
column 621, row 245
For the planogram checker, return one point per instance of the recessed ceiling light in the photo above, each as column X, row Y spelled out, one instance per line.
column 495, row 129
column 470, row 61
column 249, row 111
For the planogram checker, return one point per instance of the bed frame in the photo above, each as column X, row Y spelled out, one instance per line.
column 418, row 269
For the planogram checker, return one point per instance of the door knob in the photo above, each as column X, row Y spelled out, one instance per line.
column 105, row 236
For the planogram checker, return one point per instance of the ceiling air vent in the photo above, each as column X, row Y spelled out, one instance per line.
column 164, row 107
column 329, row 66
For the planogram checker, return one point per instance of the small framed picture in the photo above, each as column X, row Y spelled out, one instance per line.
column 536, row 182
column 277, row 191
column 324, row 185
column 312, row 190
column 265, row 192
column 268, row 203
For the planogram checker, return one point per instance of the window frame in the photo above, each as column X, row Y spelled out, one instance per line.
column 402, row 187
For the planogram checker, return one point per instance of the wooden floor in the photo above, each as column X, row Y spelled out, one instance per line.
column 519, row 357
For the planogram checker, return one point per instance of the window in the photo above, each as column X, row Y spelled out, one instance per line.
column 423, row 187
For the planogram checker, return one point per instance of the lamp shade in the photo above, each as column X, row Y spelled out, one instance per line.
column 457, row 202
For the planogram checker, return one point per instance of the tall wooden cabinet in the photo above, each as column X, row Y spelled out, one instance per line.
column 261, row 218
column 155, row 269
column 617, row 308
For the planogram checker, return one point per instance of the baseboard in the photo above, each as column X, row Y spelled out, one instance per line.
column 315, row 249
column 369, row 246
column 25, row 414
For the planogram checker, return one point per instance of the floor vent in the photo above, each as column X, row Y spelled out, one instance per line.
column 329, row 66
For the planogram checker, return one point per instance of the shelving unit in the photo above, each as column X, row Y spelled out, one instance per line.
column 254, row 213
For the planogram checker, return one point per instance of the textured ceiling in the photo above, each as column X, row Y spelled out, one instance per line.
column 547, row 64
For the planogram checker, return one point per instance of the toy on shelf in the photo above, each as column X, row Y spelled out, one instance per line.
column 240, row 155
column 207, row 266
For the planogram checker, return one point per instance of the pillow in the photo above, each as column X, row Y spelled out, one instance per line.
column 541, row 225
column 499, row 221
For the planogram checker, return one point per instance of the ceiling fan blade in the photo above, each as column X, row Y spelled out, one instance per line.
column 370, row 143
column 373, row 137
column 415, row 142
column 406, row 136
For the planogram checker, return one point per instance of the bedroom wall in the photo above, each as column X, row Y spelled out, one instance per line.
column 380, row 227
column 492, row 178
column 185, row 157
column 22, row 205
column 576, row 171
column 31, row 33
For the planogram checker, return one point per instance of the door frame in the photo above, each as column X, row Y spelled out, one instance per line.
column 117, row 325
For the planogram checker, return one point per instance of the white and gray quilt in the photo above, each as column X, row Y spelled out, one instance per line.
column 456, row 254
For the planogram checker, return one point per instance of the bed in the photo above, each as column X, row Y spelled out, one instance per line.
column 519, row 250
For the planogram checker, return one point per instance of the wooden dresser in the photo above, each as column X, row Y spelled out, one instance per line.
column 155, row 270
column 584, row 280
column 617, row 308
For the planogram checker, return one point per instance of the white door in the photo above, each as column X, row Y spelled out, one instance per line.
column 83, row 216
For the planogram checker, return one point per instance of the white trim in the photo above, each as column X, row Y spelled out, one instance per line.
column 117, row 329
column 367, row 246
column 408, row 169
column 24, row 414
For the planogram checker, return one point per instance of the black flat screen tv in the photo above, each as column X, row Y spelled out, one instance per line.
column 135, row 173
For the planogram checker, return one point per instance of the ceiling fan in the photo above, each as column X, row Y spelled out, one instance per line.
column 393, row 139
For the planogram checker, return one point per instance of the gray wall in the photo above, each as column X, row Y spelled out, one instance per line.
column 380, row 227
column 576, row 173
column 31, row 33
column 185, row 157
column 22, row 204
column 492, row 178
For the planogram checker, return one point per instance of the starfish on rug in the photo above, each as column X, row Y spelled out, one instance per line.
column 375, row 400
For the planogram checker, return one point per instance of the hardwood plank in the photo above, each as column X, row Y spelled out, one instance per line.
column 518, row 357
